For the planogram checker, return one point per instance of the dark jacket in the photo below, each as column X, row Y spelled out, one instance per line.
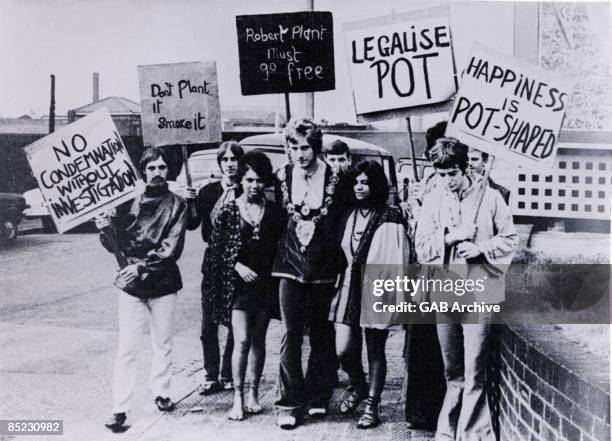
column 505, row 193
column 318, row 263
column 151, row 230
column 204, row 203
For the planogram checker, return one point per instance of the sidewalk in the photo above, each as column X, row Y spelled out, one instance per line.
column 201, row 418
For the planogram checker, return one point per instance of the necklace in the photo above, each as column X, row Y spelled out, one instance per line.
column 250, row 218
column 305, row 228
column 356, row 235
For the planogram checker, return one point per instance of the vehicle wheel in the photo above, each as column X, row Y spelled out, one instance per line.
column 9, row 232
column 48, row 225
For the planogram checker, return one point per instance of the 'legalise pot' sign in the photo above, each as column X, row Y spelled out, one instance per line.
column 291, row 52
column 401, row 61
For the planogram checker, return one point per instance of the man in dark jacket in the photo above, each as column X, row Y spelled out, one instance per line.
column 312, row 194
column 149, row 232
column 206, row 205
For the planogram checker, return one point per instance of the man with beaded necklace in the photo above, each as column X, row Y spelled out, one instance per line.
column 307, row 264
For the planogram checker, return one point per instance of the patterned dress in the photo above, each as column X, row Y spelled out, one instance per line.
column 231, row 242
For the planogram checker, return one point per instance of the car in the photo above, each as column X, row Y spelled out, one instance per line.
column 204, row 168
column 11, row 213
column 36, row 208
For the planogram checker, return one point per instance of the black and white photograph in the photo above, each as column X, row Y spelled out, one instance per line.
column 308, row 220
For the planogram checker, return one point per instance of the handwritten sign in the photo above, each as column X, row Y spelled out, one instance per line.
column 510, row 109
column 292, row 52
column 401, row 61
column 180, row 103
column 83, row 168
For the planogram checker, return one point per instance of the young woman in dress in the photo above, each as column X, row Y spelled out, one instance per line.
column 372, row 233
column 237, row 275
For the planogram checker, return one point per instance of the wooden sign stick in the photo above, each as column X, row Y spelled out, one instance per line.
column 412, row 150
column 188, row 176
column 481, row 190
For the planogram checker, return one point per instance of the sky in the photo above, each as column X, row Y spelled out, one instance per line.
column 74, row 38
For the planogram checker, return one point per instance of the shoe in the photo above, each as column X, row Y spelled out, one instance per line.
column 211, row 387
column 421, row 425
column 317, row 412
column 164, row 404
column 353, row 396
column 227, row 384
column 371, row 415
column 287, row 422
column 116, row 422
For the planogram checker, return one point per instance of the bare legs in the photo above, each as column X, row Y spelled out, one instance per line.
column 249, row 331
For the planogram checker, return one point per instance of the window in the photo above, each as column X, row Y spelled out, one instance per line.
column 574, row 193
column 588, row 194
column 575, row 165
column 562, row 179
column 548, row 192
column 534, row 205
column 547, row 206
column 535, row 178
column 602, row 181
column 562, row 164
column 561, row 207
column 601, row 208
column 522, row 177
column 575, row 179
column 562, row 193
column 589, row 166
column 521, row 191
column 521, row 204
column 534, row 192
column 601, row 194
column 587, row 208
column 548, row 178
column 602, row 166
column 588, row 180
column 574, row 207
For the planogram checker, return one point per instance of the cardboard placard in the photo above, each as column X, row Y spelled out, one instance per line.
column 510, row 109
column 401, row 61
column 286, row 53
column 180, row 103
column 83, row 169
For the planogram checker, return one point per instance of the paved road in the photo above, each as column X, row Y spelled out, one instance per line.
column 58, row 333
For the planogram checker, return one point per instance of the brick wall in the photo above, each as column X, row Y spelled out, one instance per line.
column 542, row 399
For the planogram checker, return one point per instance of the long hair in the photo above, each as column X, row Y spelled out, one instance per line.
column 377, row 181
column 152, row 154
column 231, row 145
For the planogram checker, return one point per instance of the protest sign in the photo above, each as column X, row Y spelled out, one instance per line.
column 180, row 103
column 401, row 61
column 286, row 53
column 510, row 109
column 82, row 169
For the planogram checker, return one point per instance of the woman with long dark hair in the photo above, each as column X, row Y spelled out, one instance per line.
column 237, row 281
column 372, row 233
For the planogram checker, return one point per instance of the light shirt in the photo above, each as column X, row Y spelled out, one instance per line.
column 308, row 188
